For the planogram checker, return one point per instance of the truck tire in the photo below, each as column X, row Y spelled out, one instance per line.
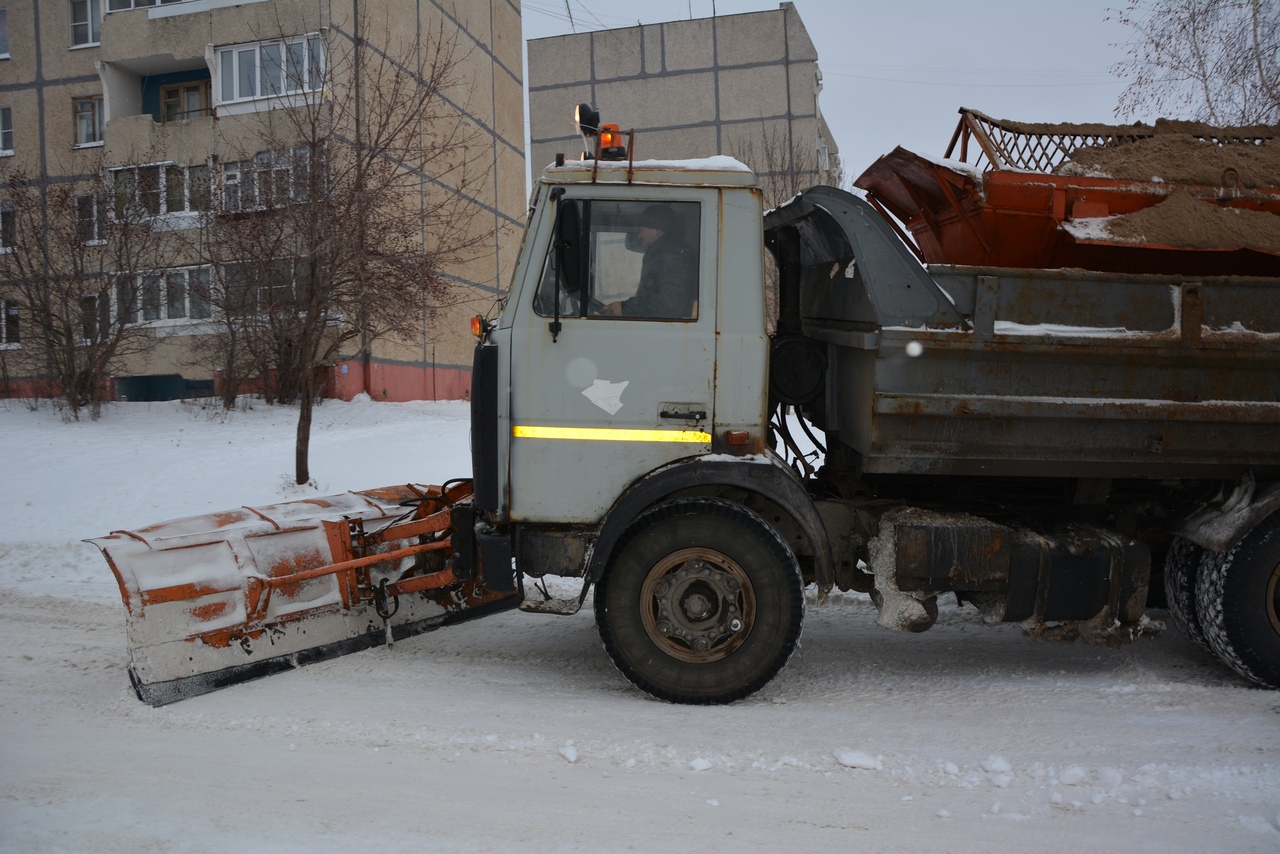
column 701, row 602
column 1238, row 604
column 1181, row 569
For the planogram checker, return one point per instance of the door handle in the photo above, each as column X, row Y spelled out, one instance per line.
column 693, row 415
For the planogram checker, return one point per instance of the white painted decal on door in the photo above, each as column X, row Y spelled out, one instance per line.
column 606, row 395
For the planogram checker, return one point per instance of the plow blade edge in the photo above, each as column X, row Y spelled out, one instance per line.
column 222, row 598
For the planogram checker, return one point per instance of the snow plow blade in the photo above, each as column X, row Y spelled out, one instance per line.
column 223, row 598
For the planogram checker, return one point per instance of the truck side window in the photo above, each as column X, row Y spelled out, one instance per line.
column 641, row 261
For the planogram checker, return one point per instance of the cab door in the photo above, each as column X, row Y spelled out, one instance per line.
column 598, row 400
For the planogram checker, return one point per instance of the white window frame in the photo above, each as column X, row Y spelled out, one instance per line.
column 281, row 175
column 6, row 131
column 91, row 209
column 126, row 5
column 4, row 31
column 165, row 213
column 280, row 279
column 262, row 75
column 92, row 22
column 164, row 297
column 97, row 130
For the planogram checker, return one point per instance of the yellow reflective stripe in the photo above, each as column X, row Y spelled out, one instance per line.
column 605, row 434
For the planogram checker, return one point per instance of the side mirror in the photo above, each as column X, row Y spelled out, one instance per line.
column 568, row 246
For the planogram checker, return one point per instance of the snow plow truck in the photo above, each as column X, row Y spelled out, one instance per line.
column 1048, row 432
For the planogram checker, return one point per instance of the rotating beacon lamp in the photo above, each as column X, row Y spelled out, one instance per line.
column 607, row 143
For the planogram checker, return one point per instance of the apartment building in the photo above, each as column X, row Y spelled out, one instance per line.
column 178, row 106
column 742, row 85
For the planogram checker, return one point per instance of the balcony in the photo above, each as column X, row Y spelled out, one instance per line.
column 140, row 138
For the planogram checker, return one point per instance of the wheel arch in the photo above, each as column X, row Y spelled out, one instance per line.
column 762, row 483
column 1221, row 528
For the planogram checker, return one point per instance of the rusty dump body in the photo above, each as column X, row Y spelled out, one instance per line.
column 1026, row 373
column 217, row 599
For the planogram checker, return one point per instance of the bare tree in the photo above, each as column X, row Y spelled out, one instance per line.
column 1216, row 61
column 344, row 208
column 784, row 169
column 76, row 267
column 783, row 172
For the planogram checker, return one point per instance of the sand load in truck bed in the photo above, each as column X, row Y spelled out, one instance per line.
column 1179, row 197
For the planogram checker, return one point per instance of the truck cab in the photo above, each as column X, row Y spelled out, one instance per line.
column 592, row 406
column 585, row 384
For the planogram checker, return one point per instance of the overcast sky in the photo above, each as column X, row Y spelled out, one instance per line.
column 895, row 73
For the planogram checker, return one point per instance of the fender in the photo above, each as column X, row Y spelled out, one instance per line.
column 763, row 474
column 1220, row 526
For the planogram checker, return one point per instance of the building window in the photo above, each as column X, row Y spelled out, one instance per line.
column 8, row 230
column 91, row 219
column 89, row 127
column 270, row 68
column 164, row 295
column 6, row 131
column 10, row 331
column 159, row 189
column 184, row 101
column 271, row 179
column 121, row 5
column 259, row 288
column 4, row 33
column 86, row 22
column 95, row 318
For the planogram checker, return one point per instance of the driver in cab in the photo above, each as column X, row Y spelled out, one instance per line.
column 668, row 273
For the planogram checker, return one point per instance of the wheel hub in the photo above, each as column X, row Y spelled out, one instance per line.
column 697, row 605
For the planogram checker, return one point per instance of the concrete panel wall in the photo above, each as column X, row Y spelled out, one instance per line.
column 690, row 88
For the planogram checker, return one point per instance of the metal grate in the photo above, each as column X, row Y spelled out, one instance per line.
column 1043, row 147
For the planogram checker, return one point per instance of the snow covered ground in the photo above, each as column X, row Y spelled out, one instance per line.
column 515, row 732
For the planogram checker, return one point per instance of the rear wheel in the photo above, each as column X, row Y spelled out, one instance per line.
column 1238, row 604
column 701, row 603
column 1181, row 569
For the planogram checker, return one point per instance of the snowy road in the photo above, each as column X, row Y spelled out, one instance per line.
column 515, row 731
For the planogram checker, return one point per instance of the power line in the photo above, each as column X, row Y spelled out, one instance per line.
column 969, row 84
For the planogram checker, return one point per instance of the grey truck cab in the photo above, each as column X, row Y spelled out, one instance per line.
column 595, row 435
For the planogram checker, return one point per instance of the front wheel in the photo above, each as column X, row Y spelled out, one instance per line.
column 701, row 602
column 1238, row 604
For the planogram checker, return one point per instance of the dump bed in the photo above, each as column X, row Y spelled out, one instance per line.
column 952, row 370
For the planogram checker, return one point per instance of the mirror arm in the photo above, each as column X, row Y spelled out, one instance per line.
column 557, row 245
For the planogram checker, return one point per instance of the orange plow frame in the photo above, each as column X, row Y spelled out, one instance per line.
column 222, row 598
